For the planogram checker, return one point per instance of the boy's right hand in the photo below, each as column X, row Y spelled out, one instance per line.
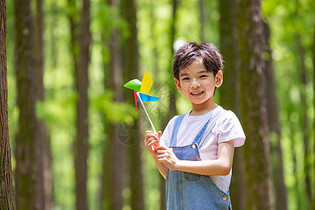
column 152, row 141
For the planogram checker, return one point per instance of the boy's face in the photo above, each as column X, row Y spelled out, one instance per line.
column 197, row 83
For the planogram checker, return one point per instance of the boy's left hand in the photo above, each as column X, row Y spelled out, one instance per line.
column 166, row 156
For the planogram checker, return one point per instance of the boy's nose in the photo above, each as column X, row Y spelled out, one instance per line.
column 195, row 83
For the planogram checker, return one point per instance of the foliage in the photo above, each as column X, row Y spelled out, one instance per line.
column 114, row 111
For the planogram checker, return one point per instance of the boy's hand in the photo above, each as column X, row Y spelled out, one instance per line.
column 152, row 141
column 166, row 156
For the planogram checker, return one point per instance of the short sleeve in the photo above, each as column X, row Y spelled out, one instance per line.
column 230, row 128
column 166, row 135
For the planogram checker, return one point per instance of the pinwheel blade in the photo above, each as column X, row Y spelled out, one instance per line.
column 147, row 98
column 146, row 83
column 134, row 85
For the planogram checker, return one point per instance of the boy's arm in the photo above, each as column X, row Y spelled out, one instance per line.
column 151, row 142
column 221, row 166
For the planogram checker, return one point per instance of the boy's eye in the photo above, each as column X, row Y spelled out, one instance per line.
column 203, row 76
column 185, row 78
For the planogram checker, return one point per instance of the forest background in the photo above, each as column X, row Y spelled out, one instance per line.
column 75, row 136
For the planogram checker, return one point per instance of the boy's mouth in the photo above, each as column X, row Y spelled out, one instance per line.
column 196, row 93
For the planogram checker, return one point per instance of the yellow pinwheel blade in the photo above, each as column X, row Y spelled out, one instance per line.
column 146, row 83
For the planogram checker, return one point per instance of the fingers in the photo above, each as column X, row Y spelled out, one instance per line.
column 162, row 148
column 152, row 140
column 159, row 134
column 167, row 157
column 149, row 134
column 151, row 137
column 163, row 151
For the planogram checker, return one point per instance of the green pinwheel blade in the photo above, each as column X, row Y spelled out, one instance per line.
column 134, row 85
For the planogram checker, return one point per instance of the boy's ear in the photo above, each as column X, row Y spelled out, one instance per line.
column 179, row 88
column 219, row 79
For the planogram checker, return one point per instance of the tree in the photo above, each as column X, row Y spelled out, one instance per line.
column 303, row 76
column 131, row 70
column 259, row 185
column 112, row 182
column 6, row 183
column 80, row 44
column 26, row 162
column 172, row 35
column 202, row 20
column 230, row 90
column 274, row 125
column 44, row 182
column 81, row 82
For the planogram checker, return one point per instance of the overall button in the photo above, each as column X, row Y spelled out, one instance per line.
column 193, row 146
column 224, row 198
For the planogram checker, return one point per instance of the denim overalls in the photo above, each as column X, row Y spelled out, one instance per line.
column 189, row 191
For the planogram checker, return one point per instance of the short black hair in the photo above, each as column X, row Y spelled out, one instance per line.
column 190, row 52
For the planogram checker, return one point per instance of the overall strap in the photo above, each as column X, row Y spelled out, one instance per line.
column 200, row 135
column 177, row 123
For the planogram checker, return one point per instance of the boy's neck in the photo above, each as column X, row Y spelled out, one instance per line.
column 200, row 109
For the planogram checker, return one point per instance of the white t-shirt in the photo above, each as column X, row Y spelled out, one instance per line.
column 227, row 127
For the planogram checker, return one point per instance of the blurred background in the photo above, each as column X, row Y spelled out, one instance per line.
column 76, row 137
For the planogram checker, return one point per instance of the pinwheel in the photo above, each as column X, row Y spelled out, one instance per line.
column 141, row 91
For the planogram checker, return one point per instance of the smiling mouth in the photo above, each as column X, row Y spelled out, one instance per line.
column 197, row 93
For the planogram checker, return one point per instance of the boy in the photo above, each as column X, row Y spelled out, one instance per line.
column 195, row 152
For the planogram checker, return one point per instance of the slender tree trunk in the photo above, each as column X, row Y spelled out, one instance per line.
column 202, row 20
column 80, row 44
column 26, row 162
column 172, row 93
column 305, row 121
column 131, row 70
column 43, row 154
column 259, row 185
column 274, row 125
column 230, row 90
column 114, row 150
column 293, row 140
column 6, row 178
column 41, row 135
column 53, row 24
column 82, row 138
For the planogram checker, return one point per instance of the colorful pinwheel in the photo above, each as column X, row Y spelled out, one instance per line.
column 141, row 91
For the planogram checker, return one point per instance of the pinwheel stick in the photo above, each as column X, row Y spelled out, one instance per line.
column 146, row 111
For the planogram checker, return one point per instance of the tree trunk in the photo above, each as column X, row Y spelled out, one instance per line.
column 6, row 183
column 172, row 93
column 112, row 182
column 274, row 125
column 230, row 90
column 305, row 121
column 80, row 43
column 82, row 129
column 131, row 70
column 202, row 20
column 26, row 162
column 259, row 185
column 53, row 24
column 293, row 146
column 44, row 182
